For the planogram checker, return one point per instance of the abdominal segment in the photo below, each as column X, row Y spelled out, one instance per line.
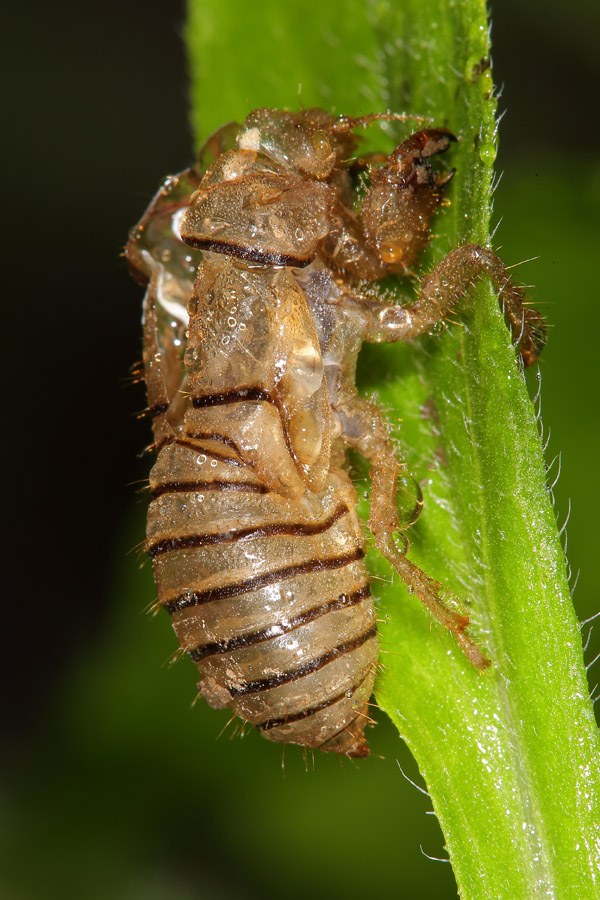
column 268, row 595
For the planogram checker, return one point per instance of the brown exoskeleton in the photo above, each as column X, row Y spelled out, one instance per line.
column 250, row 351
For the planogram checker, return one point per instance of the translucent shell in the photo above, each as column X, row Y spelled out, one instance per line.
column 257, row 262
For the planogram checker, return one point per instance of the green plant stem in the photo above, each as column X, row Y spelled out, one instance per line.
column 510, row 756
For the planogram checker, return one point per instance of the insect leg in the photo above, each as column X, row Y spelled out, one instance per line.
column 443, row 289
column 401, row 199
column 452, row 279
column 393, row 225
column 365, row 430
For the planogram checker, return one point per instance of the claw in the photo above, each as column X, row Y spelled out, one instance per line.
column 402, row 197
column 424, row 144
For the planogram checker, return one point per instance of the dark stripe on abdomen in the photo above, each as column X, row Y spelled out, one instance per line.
column 190, row 445
column 196, row 598
column 157, row 410
column 310, row 710
column 201, row 436
column 256, row 637
column 214, row 436
column 184, row 487
column 240, row 395
column 264, row 684
column 194, row 541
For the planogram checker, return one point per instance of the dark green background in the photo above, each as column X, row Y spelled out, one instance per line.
column 112, row 787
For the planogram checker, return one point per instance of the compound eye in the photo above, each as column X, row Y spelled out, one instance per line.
column 321, row 144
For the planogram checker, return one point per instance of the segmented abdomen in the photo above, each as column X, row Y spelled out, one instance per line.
column 270, row 597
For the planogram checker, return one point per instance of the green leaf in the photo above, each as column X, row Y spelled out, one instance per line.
column 510, row 756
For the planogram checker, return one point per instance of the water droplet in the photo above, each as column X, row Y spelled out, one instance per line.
column 487, row 153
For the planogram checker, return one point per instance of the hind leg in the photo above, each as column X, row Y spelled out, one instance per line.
column 364, row 429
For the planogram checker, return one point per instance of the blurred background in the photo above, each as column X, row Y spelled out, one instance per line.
column 112, row 786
